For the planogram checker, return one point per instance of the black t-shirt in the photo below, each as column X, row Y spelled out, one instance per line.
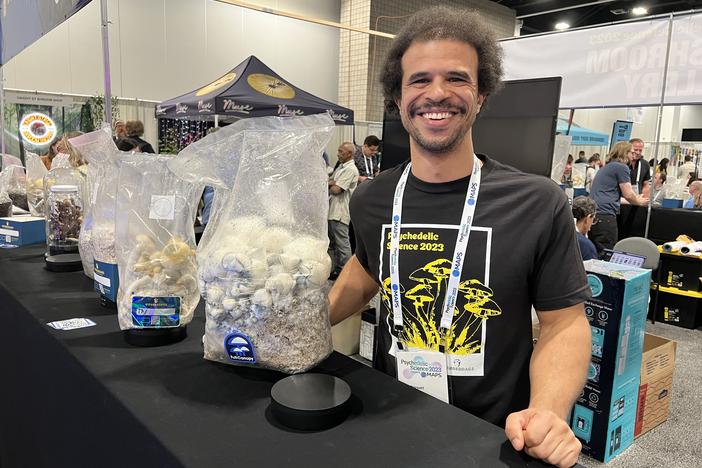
column 522, row 251
column 645, row 174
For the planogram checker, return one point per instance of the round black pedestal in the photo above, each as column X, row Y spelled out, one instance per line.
column 155, row 336
column 108, row 304
column 63, row 262
column 310, row 402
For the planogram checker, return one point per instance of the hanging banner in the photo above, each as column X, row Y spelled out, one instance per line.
column 24, row 21
column 617, row 65
column 621, row 131
column 684, row 83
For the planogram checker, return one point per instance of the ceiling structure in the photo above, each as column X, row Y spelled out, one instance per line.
column 540, row 16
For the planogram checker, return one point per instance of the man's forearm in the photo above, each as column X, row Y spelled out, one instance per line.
column 352, row 290
column 560, row 361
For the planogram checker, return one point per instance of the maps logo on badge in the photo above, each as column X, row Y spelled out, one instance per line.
column 419, row 367
column 239, row 348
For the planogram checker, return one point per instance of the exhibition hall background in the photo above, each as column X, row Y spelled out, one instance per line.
column 163, row 48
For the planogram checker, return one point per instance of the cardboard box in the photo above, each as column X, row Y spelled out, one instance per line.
column 345, row 335
column 604, row 415
column 22, row 230
column 656, row 388
column 367, row 338
column 678, row 307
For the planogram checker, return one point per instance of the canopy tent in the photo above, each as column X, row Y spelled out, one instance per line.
column 582, row 136
column 251, row 89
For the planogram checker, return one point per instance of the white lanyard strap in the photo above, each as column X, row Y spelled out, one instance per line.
column 459, row 253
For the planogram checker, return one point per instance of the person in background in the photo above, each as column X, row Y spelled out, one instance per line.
column 440, row 69
column 48, row 158
column 342, row 183
column 127, row 145
column 663, row 166
column 135, row 129
column 567, row 177
column 658, row 189
column 639, row 171
column 584, row 212
column 611, row 183
column 687, row 168
column 695, row 200
column 366, row 159
column 593, row 165
column 581, row 157
column 120, row 130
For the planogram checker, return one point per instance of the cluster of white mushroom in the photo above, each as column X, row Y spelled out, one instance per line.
column 153, row 272
column 259, row 280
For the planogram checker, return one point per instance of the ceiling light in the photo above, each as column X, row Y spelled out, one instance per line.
column 639, row 11
column 562, row 26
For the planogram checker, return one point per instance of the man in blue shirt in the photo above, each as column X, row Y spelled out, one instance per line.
column 584, row 209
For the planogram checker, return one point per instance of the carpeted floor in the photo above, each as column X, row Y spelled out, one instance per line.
column 677, row 443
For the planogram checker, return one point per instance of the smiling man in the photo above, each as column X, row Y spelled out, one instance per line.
column 462, row 246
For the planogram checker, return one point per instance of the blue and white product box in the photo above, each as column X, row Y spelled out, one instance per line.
column 106, row 280
column 22, row 230
column 604, row 415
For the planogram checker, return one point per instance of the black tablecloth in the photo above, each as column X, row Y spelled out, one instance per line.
column 665, row 223
column 84, row 398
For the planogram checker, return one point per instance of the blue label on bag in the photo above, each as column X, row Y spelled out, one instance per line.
column 155, row 312
column 239, row 348
column 106, row 280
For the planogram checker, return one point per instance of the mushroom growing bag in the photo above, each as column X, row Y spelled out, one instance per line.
column 155, row 244
column 263, row 263
column 100, row 151
column 35, row 184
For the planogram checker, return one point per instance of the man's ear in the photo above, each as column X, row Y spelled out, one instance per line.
column 482, row 99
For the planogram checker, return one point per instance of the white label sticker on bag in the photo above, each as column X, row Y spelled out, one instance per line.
column 9, row 232
column 162, row 207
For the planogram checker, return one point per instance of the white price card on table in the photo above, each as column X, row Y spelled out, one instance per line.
column 71, row 324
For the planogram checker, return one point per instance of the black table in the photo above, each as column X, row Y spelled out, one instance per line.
column 84, row 398
column 665, row 224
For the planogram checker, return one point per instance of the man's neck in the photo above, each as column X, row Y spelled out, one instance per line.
column 580, row 227
column 444, row 167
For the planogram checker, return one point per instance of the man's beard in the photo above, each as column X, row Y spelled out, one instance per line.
column 443, row 145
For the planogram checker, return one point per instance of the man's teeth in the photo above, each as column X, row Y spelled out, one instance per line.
column 437, row 115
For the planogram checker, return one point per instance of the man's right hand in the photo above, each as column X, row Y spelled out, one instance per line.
column 643, row 201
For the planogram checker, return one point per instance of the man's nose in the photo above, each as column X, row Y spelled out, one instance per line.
column 437, row 90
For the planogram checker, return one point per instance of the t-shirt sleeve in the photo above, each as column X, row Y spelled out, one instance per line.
column 622, row 174
column 356, row 210
column 558, row 279
column 346, row 178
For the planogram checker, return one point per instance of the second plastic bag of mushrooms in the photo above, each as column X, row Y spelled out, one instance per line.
column 262, row 261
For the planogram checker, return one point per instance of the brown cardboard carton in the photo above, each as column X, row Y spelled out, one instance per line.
column 655, row 389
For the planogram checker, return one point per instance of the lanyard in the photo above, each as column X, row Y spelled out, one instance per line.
column 459, row 252
column 369, row 172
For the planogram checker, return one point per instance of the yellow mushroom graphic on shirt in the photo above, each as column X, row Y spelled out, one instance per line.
column 423, row 304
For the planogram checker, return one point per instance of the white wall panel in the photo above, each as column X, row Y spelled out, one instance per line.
column 163, row 48
column 143, row 49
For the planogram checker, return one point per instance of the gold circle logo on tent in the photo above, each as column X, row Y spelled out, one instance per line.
column 270, row 86
column 218, row 83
